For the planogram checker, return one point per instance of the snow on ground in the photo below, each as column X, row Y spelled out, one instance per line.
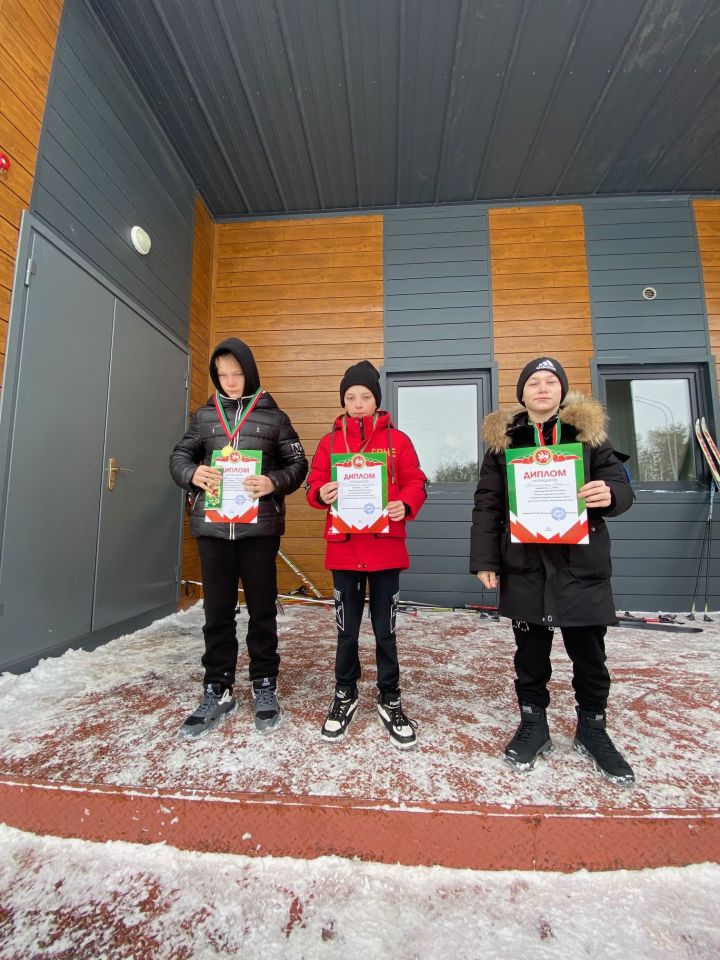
column 111, row 716
column 86, row 901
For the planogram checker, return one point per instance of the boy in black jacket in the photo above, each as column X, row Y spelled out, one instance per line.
column 239, row 416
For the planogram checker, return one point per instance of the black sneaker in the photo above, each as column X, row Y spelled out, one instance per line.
column 531, row 740
column 401, row 728
column 592, row 741
column 268, row 713
column 341, row 712
column 217, row 703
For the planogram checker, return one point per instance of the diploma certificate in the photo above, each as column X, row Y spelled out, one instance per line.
column 542, row 492
column 233, row 503
column 361, row 505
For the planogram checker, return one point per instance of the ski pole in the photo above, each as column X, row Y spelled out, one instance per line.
column 699, row 571
column 293, row 598
column 706, row 617
column 295, row 569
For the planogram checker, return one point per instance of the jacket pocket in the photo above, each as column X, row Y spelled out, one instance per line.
column 513, row 556
column 591, row 561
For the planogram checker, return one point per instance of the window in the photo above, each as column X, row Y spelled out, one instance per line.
column 442, row 413
column 652, row 411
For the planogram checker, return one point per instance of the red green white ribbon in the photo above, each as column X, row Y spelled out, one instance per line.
column 231, row 434
column 539, row 434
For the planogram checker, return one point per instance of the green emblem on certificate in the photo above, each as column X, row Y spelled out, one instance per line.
column 361, row 505
column 232, row 503
column 543, row 483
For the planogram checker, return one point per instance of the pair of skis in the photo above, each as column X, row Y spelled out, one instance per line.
column 413, row 607
column 712, row 457
column 664, row 622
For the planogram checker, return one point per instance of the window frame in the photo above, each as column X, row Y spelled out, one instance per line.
column 479, row 378
column 697, row 374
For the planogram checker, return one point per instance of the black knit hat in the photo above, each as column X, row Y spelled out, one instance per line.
column 361, row 374
column 542, row 363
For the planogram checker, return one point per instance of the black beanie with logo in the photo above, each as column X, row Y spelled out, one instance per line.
column 362, row 374
column 542, row 363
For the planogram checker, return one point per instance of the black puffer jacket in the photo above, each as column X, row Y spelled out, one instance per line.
column 563, row 585
column 267, row 429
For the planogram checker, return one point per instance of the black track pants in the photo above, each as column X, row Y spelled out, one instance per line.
column 349, row 606
column 586, row 648
column 225, row 564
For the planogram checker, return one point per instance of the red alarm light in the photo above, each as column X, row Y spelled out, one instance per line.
column 4, row 162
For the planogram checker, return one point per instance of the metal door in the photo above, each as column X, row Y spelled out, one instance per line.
column 54, row 472
column 140, row 517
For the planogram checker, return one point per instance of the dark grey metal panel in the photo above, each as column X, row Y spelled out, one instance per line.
column 394, row 319
column 668, row 261
column 437, row 316
column 431, row 311
column 631, row 244
column 137, row 571
column 105, row 165
column 301, row 105
column 661, row 312
column 47, row 555
column 432, row 348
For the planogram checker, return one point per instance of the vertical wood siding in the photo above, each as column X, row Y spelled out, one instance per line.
column 307, row 296
column 540, row 295
column 637, row 243
column 707, row 222
column 28, row 31
column 105, row 164
column 199, row 340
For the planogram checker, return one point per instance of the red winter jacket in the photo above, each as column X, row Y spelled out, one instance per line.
column 406, row 482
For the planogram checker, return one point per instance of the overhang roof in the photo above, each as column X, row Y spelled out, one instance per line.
column 309, row 105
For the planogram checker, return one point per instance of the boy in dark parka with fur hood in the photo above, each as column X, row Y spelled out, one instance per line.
column 548, row 586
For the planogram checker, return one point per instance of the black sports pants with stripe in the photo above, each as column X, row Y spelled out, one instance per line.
column 349, row 592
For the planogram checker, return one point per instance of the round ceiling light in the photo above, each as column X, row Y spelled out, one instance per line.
column 140, row 240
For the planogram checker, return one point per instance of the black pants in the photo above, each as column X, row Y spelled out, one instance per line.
column 224, row 563
column 349, row 592
column 586, row 648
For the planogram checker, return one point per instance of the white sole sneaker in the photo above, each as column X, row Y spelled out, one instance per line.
column 627, row 781
column 388, row 726
column 339, row 737
column 543, row 752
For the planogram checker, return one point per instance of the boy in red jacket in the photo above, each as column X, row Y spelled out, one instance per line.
column 356, row 558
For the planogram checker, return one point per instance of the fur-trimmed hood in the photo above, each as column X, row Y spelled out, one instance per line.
column 583, row 413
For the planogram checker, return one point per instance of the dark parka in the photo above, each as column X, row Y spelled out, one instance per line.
column 563, row 585
column 267, row 429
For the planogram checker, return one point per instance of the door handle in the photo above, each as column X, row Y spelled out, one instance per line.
column 113, row 470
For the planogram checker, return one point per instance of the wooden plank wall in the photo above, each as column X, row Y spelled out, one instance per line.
column 198, row 341
column 307, row 296
column 540, row 292
column 28, row 32
column 707, row 221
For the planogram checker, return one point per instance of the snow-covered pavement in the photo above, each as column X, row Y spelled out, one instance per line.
column 111, row 717
column 86, row 901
